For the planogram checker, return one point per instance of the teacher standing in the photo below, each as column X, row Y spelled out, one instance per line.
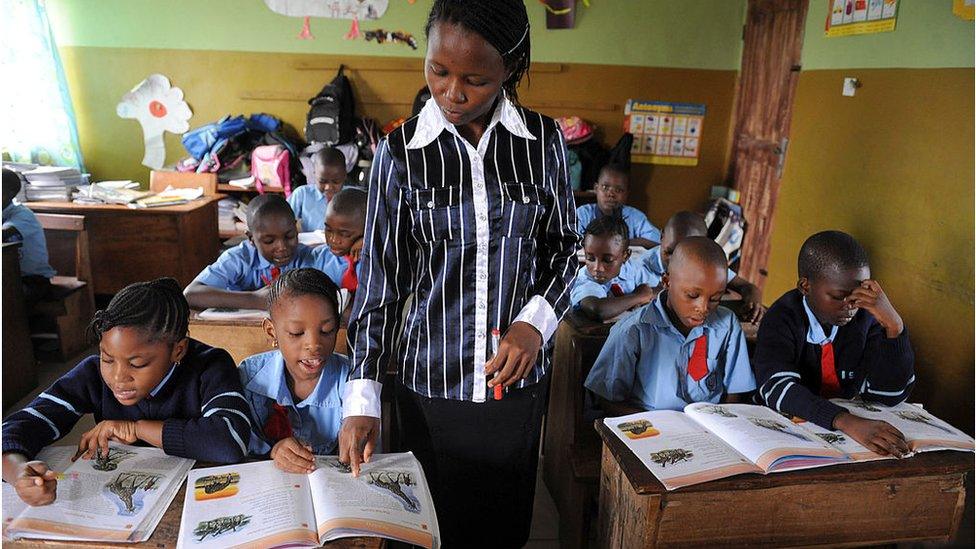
column 471, row 215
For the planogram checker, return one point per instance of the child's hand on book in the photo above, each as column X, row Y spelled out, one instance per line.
column 36, row 484
column 878, row 436
column 97, row 439
column 871, row 297
column 292, row 456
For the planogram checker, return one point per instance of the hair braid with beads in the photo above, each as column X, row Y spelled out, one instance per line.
column 306, row 281
column 157, row 308
column 502, row 23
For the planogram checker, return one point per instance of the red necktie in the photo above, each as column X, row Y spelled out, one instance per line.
column 829, row 385
column 698, row 363
column 275, row 271
column 278, row 426
column 616, row 290
column 349, row 280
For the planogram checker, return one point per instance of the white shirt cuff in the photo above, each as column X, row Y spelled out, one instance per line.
column 539, row 313
column 361, row 397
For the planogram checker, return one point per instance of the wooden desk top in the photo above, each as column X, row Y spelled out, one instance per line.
column 924, row 464
column 168, row 532
column 247, row 322
column 72, row 207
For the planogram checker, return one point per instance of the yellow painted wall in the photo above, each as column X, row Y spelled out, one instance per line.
column 894, row 167
column 216, row 83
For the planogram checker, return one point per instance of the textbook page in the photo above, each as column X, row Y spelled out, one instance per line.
column 676, row 449
column 390, row 498
column 118, row 498
column 57, row 458
column 765, row 437
column 923, row 431
column 253, row 503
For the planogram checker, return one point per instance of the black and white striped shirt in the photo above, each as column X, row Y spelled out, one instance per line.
column 480, row 237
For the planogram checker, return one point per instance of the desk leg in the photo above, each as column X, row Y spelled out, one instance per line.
column 627, row 519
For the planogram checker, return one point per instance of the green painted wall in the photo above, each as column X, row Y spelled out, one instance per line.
column 893, row 166
column 927, row 35
column 703, row 34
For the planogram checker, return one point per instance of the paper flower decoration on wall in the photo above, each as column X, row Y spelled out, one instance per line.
column 334, row 9
column 158, row 107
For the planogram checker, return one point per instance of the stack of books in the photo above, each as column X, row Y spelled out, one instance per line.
column 52, row 183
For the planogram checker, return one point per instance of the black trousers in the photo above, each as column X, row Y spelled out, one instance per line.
column 480, row 460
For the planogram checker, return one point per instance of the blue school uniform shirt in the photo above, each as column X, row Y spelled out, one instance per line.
column 309, row 204
column 645, row 360
column 33, row 251
column 654, row 266
column 315, row 420
column 632, row 275
column 243, row 268
column 635, row 219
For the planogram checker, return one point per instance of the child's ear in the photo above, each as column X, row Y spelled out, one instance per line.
column 270, row 330
column 803, row 284
column 179, row 350
column 627, row 253
column 665, row 281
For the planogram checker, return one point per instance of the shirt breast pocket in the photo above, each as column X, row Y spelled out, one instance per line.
column 436, row 213
column 522, row 209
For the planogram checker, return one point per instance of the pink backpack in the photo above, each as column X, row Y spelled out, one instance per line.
column 269, row 166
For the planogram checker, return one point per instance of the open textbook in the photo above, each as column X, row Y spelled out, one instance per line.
column 258, row 505
column 118, row 498
column 712, row 441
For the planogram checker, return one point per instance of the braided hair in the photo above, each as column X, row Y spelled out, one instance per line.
column 158, row 308
column 502, row 23
column 306, row 281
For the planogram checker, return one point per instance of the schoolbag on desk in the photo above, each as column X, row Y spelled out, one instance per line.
column 332, row 116
column 270, row 166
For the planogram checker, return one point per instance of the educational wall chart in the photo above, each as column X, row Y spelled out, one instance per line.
column 159, row 108
column 850, row 17
column 664, row 133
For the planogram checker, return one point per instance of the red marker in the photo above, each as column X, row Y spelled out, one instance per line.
column 495, row 336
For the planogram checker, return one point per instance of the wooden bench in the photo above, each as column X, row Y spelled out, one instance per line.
column 571, row 462
column 19, row 369
column 71, row 301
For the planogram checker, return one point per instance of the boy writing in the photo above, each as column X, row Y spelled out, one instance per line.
column 612, row 190
column 241, row 276
column 836, row 335
column 680, row 348
column 609, row 284
column 309, row 200
column 686, row 224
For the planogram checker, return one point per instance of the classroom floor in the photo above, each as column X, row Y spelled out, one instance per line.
column 544, row 533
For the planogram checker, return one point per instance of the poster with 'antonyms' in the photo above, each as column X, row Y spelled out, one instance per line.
column 664, row 133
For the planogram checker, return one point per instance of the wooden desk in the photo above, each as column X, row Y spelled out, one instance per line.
column 915, row 499
column 168, row 532
column 243, row 338
column 134, row 245
column 19, row 370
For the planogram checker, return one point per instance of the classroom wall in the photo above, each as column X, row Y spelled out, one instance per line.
column 236, row 56
column 894, row 167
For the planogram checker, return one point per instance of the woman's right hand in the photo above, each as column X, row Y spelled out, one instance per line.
column 357, row 440
column 35, row 483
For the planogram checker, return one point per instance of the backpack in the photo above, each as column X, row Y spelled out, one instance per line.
column 332, row 116
column 270, row 166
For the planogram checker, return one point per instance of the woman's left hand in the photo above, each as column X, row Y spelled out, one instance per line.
column 517, row 353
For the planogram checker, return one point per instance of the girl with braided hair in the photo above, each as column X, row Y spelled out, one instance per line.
column 295, row 389
column 471, row 221
column 150, row 385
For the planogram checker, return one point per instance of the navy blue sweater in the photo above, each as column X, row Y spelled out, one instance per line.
column 868, row 363
column 204, row 413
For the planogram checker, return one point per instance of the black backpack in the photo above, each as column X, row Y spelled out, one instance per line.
column 332, row 116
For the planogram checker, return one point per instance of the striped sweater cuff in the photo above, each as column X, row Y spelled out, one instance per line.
column 825, row 413
column 173, row 443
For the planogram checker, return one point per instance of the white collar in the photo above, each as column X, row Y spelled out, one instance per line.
column 431, row 123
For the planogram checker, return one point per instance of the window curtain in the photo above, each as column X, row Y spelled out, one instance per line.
column 37, row 122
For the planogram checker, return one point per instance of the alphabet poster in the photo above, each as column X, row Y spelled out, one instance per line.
column 664, row 133
column 850, row 17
